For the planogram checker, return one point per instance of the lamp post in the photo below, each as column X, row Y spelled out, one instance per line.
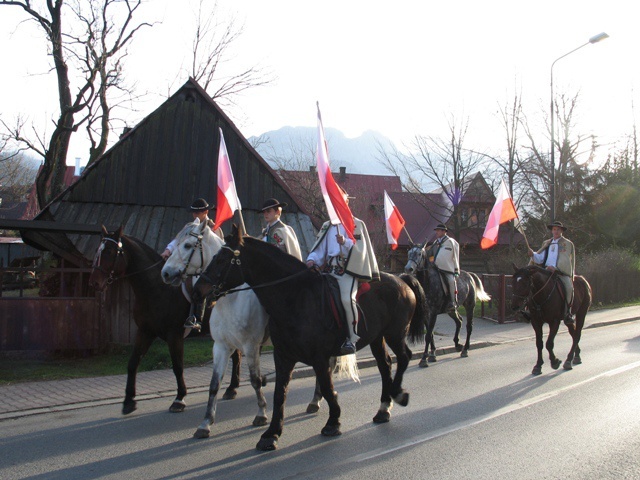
column 594, row 39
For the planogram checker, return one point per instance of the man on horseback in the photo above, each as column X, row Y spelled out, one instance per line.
column 445, row 254
column 200, row 210
column 277, row 232
column 348, row 262
column 557, row 255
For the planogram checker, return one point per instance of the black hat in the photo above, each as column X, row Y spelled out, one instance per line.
column 272, row 203
column 556, row 224
column 200, row 205
column 441, row 226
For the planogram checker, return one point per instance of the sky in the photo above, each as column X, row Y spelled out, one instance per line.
column 402, row 68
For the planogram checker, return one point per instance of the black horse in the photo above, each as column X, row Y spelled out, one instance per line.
column 543, row 294
column 470, row 290
column 303, row 328
column 159, row 309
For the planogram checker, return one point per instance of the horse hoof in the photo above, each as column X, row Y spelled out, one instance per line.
column 177, row 407
column 382, row 417
column 556, row 364
column 202, row 433
column 230, row 395
column 423, row 363
column 536, row 370
column 331, row 431
column 128, row 407
column 267, row 444
column 577, row 361
column 402, row 399
column 432, row 359
column 313, row 408
column 567, row 365
column 464, row 353
column 259, row 421
column 458, row 348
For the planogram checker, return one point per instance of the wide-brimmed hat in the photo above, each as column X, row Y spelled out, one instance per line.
column 199, row 205
column 272, row 203
column 441, row 226
column 556, row 224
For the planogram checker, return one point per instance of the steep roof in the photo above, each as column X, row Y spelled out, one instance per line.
column 149, row 177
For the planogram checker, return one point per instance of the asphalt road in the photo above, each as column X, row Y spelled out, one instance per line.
column 481, row 417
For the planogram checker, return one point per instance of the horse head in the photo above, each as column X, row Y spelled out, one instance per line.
column 224, row 272
column 195, row 246
column 109, row 261
column 521, row 286
column 416, row 259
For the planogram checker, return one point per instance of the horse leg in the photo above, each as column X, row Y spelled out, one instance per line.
column 253, row 359
column 314, row 404
column 140, row 348
column 231, row 392
column 399, row 347
column 428, row 342
column 383, row 361
column 467, row 344
column 537, row 327
column 574, row 354
column 553, row 330
column 221, row 354
column 284, row 369
column 176, row 350
column 456, row 336
column 323, row 371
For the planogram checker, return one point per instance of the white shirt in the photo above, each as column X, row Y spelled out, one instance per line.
column 329, row 247
column 552, row 257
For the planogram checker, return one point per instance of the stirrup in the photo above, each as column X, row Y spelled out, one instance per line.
column 569, row 320
column 347, row 348
column 192, row 322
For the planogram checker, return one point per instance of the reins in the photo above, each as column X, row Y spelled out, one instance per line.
column 530, row 298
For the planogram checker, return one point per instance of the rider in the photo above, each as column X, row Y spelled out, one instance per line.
column 444, row 252
column 558, row 255
column 348, row 262
column 200, row 210
column 276, row 231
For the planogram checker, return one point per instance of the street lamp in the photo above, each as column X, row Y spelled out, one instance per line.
column 594, row 39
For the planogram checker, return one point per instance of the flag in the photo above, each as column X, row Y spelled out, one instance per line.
column 227, row 198
column 337, row 207
column 503, row 211
column 394, row 221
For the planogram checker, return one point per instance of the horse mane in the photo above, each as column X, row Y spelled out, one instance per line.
column 149, row 253
column 286, row 261
column 531, row 269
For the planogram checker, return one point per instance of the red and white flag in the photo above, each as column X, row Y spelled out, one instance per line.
column 337, row 207
column 393, row 219
column 227, row 198
column 503, row 211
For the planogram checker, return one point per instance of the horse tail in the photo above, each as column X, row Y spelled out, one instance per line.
column 480, row 293
column 347, row 367
column 418, row 321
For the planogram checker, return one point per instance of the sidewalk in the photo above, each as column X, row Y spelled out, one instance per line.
column 54, row 396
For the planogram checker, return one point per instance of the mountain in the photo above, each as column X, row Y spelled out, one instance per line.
column 293, row 148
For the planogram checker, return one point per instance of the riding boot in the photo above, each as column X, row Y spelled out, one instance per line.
column 349, row 345
column 568, row 319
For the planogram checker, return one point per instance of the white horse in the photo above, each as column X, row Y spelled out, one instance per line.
column 238, row 321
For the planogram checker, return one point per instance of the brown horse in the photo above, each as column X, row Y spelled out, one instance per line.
column 543, row 294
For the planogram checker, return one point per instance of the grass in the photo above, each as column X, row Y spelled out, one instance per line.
column 197, row 351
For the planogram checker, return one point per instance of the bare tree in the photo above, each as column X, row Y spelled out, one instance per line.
column 212, row 47
column 88, row 51
column 16, row 174
column 443, row 163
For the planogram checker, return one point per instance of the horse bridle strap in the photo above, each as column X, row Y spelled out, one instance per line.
column 119, row 254
column 198, row 246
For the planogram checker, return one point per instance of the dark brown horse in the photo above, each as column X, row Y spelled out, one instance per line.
column 303, row 328
column 159, row 309
column 543, row 294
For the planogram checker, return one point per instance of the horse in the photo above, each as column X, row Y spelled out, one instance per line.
column 237, row 323
column 159, row 309
column 470, row 290
column 303, row 327
column 542, row 292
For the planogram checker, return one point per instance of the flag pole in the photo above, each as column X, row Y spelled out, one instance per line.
column 408, row 236
column 244, row 229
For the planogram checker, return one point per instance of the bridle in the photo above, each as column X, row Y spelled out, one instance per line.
column 530, row 297
column 111, row 274
column 198, row 246
column 419, row 263
column 218, row 289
